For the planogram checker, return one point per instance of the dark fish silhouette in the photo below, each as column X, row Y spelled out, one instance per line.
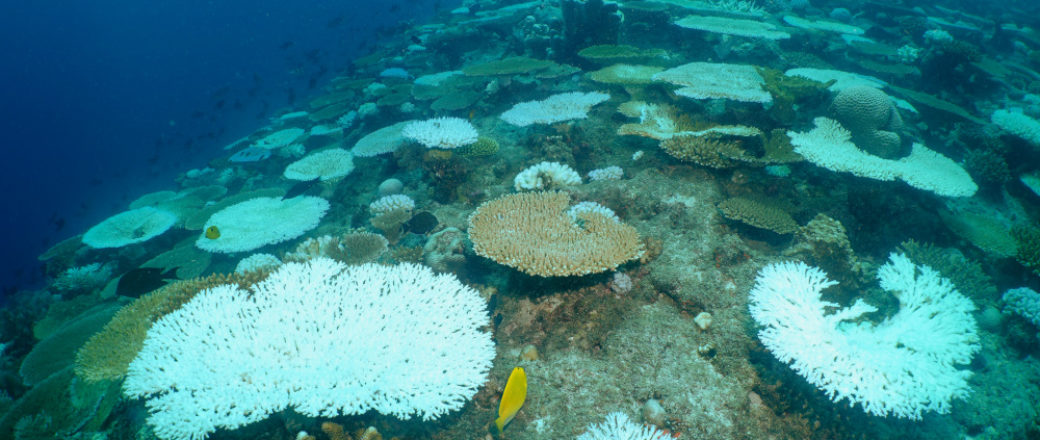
column 286, row 45
column 142, row 280
column 301, row 188
column 421, row 223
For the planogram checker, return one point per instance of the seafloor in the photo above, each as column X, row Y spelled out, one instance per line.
column 710, row 178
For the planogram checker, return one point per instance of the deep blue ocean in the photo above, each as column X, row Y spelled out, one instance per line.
column 105, row 101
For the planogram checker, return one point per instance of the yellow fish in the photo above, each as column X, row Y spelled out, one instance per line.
column 212, row 233
column 512, row 398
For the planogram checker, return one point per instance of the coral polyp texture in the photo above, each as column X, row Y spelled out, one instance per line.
column 326, row 165
column 261, row 221
column 129, row 227
column 319, row 337
column 905, row 365
column 556, row 108
column 533, row 233
column 445, row 133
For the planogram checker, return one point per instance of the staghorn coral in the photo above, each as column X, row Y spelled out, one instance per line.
column 963, row 272
column 532, row 233
column 263, row 345
column 106, row 355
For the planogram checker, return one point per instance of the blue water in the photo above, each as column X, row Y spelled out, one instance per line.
column 104, row 101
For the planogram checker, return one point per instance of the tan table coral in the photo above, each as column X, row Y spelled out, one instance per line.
column 533, row 233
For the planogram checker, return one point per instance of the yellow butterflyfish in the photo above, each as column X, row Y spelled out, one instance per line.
column 212, row 233
column 512, row 398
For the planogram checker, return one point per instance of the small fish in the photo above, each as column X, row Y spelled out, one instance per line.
column 143, row 280
column 300, row 188
column 213, row 232
column 512, row 398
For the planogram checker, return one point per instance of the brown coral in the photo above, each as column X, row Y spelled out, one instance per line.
column 533, row 233
column 758, row 214
column 707, row 151
column 107, row 354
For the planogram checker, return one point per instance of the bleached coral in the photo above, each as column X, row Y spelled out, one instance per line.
column 546, row 175
column 385, row 140
column 733, row 26
column 556, row 108
column 320, row 337
column 447, row 133
column 905, row 365
column 612, row 172
column 737, row 82
column 391, row 202
column 326, row 165
column 261, row 221
column 257, row 262
column 83, row 278
column 129, row 227
column 829, row 145
column 1018, row 124
column 575, row 211
column 618, row 426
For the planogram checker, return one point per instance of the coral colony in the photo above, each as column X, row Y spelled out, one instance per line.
column 653, row 219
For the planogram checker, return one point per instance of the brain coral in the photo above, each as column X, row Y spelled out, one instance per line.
column 871, row 117
column 532, row 232
column 262, row 221
column 320, row 337
column 133, row 226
